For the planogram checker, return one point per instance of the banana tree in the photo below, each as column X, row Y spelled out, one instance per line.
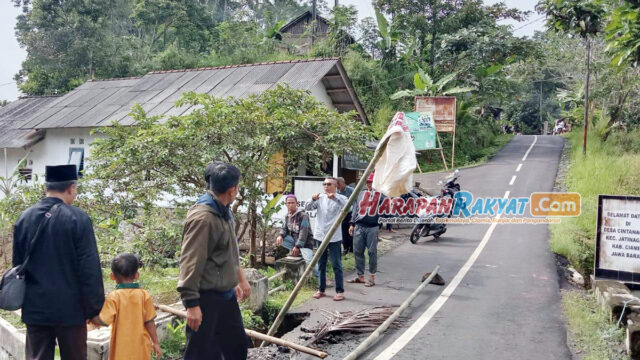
column 425, row 86
column 389, row 35
column 8, row 183
column 273, row 31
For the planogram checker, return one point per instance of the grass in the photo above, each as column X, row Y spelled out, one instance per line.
column 12, row 319
column 591, row 332
column 174, row 343
column 611, row 167
column 276, row 301
column 161, row 283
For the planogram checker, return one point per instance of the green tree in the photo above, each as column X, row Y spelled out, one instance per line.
column 142, row 164
column 369, row 35
column 623, row 33
column 389, row 35
column 425, row 86
column 584, row 18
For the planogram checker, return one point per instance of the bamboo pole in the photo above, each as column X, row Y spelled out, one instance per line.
column 281, row 287
column 256, row 335
column 325, row 243
column 289, row 344
column 375, row 336
column 277, row 275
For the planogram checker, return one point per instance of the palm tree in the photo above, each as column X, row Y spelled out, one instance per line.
column 424, row 86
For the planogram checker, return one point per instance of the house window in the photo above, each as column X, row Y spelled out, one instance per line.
column 81, row 141
column 76, row 157
column 72, row 141
column 25, row 174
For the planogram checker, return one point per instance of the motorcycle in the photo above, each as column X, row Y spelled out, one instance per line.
column 426, row 225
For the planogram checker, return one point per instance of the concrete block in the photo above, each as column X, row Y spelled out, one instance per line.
column 615, row 303
column 295, row 267
column 12, row 340
column 632, row 341
column 259, row 289
column 612, row 296
column 611, row 287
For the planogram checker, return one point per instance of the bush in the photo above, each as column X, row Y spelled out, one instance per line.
column 175, row 341
column 611, row 167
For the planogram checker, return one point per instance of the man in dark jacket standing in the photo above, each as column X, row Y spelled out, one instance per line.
column 64, row 282
column 347, row 239
column 364, row 229
column 211, row 280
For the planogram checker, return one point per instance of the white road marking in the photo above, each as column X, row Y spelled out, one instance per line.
column 519, row 167
column 535, row 138
column 424, row 319
column 420, row 323
column 513, row 179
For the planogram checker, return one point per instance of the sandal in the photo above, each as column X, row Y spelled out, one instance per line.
column 318, row 295
column 356, row 281
column 338, row 297
column 370, row 283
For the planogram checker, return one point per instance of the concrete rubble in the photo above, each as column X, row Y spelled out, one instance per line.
column 623, row 307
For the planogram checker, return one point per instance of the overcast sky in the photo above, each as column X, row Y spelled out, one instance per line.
column 13, row 55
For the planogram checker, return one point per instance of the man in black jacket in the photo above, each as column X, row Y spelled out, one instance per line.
column 364, row 229
column 63, row 279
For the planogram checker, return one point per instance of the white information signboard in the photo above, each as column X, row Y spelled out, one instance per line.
column 618, row 238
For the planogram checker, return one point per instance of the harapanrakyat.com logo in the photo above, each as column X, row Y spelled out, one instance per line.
column 463, row 207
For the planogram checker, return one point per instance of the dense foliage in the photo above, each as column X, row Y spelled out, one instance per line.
column 419, row 46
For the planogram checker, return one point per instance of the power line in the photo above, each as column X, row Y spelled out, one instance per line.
column 386, row 81
column 530, row 22
column 9, row 83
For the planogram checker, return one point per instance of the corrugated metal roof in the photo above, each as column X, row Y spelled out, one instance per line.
column 97, row 103
column 16, row 112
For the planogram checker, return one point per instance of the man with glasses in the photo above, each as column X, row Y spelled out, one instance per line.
column 328, row 206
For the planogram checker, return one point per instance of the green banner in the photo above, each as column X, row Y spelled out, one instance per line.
column 423, row 129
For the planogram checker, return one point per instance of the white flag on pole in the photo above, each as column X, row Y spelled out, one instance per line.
column 394, row 171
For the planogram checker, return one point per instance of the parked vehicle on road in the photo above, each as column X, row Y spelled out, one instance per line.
column 427, row 225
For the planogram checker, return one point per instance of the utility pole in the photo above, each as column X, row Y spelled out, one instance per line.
column 313, row 22
column 540, row 106
column 586, row 101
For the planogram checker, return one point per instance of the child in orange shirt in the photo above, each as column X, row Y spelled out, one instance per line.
column 131, row 313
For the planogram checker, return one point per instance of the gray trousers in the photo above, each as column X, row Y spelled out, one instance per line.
column 365, row 237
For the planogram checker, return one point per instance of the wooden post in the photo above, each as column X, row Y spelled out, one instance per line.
column 263, row 254
column 313, row 23
column 375, row 336
column 327, row 238
column 252, row 235
column 441, row 152
column 255, row 335
column 453, row 134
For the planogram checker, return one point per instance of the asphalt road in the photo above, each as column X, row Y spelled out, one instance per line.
column 502, row 298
